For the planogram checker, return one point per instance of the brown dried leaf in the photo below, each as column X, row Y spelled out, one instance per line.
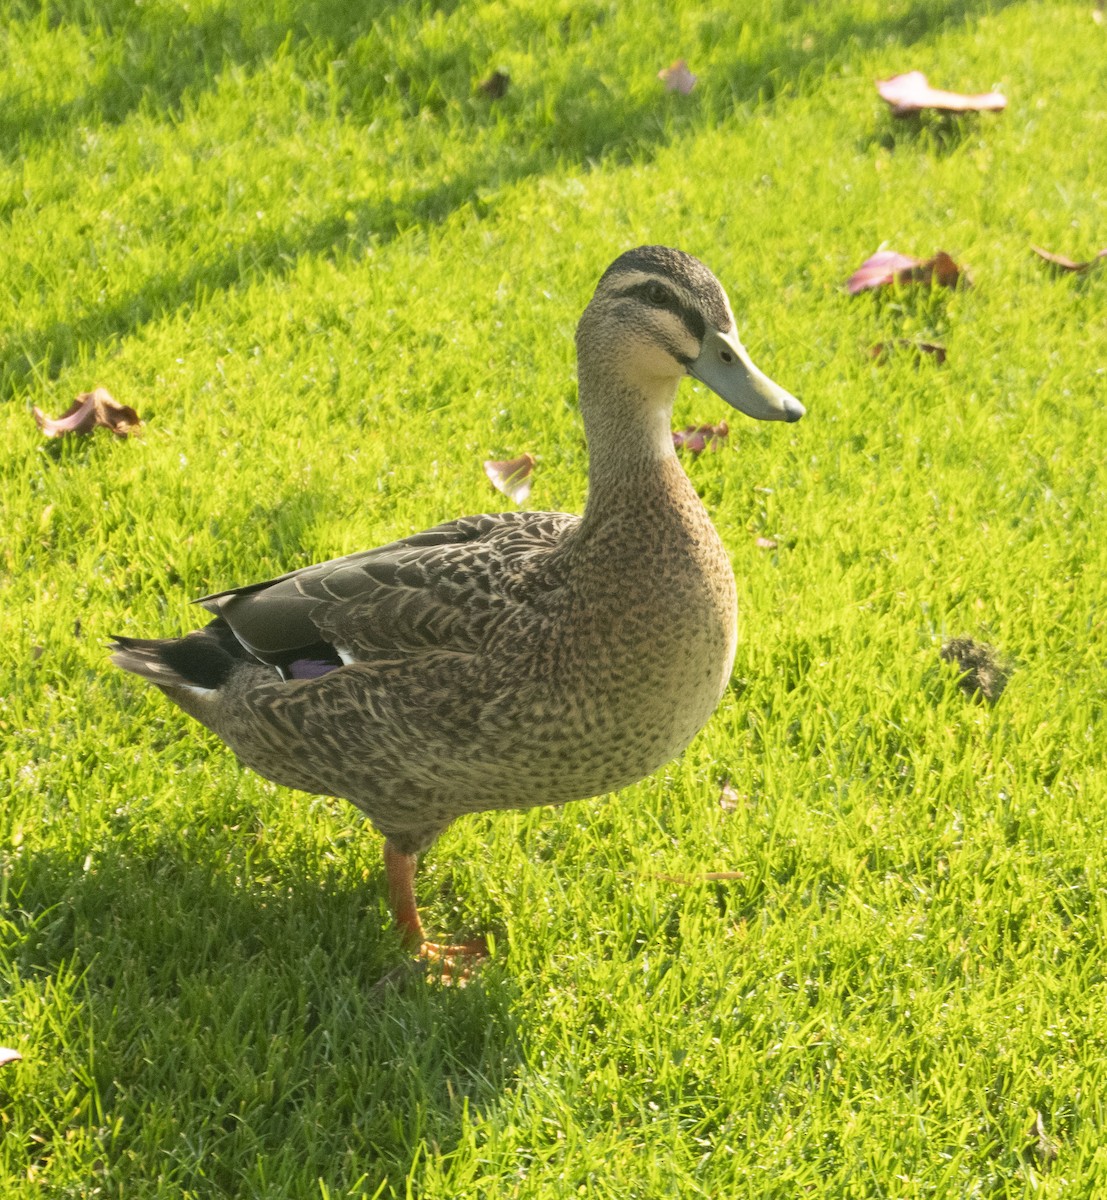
column 910, row 93
column 9, row 1056
column 87, row 412
column 922, row 349
column 495, row 86
column 1067, row 264
column 512, row 476
column 984, row 675
column 698, row 438
column 887, row 267
column 1042, row 1147
column 677, row 77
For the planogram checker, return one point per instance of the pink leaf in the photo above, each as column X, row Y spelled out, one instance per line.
column 764, row 543
column 886, row 267
column 9, row 1056
column 89, row 410
column 512, row 476
column 677, row 78
column 729, row 799
column 910, row 93
column 879, row 270
column 698, row 438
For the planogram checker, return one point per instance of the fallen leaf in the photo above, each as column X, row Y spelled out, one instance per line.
column 698, row 438
column 983, row 674
column 9, row 1056
column 729, row 799
column 1067, row 264
column 887, row 267
column 1043, row 1147
column 89, row 410
column 703, row 877
column 910, row 93
column 512, row 476
column 934, row 349
column 495, row 86
column 677, row 78
column 879, row 270
column 764, row 543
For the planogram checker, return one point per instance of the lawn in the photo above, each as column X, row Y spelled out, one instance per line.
column 334, row 277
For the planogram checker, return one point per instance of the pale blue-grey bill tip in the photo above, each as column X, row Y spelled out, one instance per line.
column 725, row 367
column 793, row 409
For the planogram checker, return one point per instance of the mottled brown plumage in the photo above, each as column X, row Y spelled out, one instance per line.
column 509, row 660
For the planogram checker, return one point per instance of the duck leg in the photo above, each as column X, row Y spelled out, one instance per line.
column 399, row 870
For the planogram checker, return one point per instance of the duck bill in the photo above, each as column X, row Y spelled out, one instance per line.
column 728, row 370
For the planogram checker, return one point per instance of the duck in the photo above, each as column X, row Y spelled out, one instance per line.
column 503, row 660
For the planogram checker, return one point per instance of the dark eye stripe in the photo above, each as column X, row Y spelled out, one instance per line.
column 693, row 322
column 690, row 318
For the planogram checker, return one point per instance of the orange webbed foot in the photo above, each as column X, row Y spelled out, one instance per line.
column 452, row 963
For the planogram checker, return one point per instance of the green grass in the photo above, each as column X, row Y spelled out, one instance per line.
column 333, row 279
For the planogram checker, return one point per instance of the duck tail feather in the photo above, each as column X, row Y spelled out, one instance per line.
column 194, row 661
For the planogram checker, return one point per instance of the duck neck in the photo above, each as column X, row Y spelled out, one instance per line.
column 633, row 467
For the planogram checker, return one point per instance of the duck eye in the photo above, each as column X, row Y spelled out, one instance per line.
column 658, row 294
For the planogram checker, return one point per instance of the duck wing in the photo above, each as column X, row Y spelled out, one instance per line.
column 433, row 591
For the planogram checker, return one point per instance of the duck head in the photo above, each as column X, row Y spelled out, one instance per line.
column 659, row 314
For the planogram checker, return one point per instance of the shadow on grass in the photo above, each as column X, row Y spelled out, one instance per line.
column 159, row 53
column 931, row 133
column 169, row 55
column 235, row 1015
column 168, row 52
